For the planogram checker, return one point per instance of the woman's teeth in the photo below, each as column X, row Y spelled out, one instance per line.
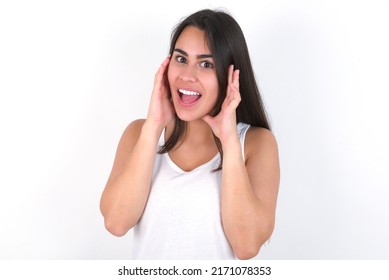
column 188, row 97
column 188, row 92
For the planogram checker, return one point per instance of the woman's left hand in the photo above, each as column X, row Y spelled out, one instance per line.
column 224, row 124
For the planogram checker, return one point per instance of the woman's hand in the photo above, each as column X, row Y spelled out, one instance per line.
column 224, row 124
column 161, row 110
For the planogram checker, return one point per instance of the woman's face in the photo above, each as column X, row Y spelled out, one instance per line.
column 192, row 76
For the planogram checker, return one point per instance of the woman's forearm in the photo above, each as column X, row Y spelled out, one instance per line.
column 126, row 193
column 243, row 222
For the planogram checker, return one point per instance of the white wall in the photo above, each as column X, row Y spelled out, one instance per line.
column 73, row 74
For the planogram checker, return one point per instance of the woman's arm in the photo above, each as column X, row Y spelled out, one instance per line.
column 125, row 195
column 249, row 191
column 250, row 186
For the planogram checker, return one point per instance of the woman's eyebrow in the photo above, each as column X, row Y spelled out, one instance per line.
column 198, row 56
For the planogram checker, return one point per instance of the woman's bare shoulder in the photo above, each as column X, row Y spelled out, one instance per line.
column 134, row 127
column 131, row 134
column 126, row 144
column 262, row 163
column 260, row 141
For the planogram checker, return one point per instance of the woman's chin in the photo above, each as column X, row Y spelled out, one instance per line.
column 190, row 118
column 186, row 118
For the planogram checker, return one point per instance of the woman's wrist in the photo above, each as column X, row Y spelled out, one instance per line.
column 231, row 140
column 231, row 146
column 152, row 129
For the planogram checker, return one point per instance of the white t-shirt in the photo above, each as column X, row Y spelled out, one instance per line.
column 182, row 218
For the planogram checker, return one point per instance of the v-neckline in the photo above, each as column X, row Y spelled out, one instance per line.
column 178, row 168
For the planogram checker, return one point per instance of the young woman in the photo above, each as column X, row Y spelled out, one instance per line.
column 199, row 177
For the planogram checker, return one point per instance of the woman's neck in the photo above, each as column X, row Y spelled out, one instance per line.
column 197, row 133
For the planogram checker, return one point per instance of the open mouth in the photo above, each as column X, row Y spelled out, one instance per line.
column 188, row 97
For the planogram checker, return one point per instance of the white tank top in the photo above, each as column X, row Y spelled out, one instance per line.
column 182, row 218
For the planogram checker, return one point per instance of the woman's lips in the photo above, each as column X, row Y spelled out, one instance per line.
column 188, row 97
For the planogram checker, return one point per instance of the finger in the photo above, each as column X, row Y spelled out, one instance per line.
column 237, row 98
column 165, row 63
column 235, row 78
column 229, row 76
column 230, row 73
column 162, row 69
column 234, row 98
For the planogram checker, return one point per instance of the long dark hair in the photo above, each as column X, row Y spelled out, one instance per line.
column 228, row 46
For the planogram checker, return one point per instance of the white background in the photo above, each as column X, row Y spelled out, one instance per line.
column 73, row 74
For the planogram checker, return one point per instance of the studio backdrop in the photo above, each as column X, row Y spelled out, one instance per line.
column 74, row 74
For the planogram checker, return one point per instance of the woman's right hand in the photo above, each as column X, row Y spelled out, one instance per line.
column 161, row 110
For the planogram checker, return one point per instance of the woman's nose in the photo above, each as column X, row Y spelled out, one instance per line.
column 188, row 73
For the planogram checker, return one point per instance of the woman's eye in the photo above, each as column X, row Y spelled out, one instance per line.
column 180, row 59
column 206, row 64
